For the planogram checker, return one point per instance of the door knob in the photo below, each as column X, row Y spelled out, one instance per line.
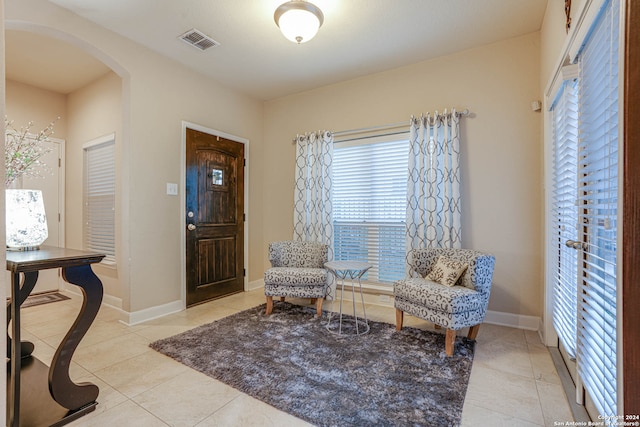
column 575, row 245
column 191, row 227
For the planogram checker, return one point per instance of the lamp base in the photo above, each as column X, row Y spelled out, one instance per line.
column 26, row 222
column 22, row 248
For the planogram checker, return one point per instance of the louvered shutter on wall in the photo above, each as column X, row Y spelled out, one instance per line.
column 99, row 199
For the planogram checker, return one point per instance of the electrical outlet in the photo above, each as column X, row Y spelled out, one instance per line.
column 172, row 189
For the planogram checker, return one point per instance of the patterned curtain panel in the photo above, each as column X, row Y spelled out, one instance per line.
column 313, row 211
column 313, row 207
column 433, row 189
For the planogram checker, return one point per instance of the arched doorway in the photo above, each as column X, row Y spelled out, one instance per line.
column 51, row 74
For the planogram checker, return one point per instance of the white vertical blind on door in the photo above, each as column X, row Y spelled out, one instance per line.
column 598, row 198
column 565, row 213
column 99, row 198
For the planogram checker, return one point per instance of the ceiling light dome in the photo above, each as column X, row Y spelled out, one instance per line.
column 298, row 20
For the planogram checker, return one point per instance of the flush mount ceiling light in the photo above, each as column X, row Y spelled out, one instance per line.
column 298, row 20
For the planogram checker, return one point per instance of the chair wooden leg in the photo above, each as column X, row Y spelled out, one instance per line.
column 473, row 332
column 282, row 299
column 319, row 306
column 269, row 305
column 437, row 326
column 450, row 339
column 314, row 300
column 399, row 319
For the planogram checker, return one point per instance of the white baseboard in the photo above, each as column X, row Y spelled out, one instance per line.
column 511, row 320
column 385, row 299
column 541, row 330
column 136, row 317
column 151, row 313
column 256, row 284
column 519, row 321
column 113, row 302
column 109, row 300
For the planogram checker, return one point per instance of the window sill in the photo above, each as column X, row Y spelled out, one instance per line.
column 373, row 293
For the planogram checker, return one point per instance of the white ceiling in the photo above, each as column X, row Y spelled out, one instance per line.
column 359, row 37
column 48, row 63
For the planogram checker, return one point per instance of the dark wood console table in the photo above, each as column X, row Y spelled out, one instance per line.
column 36, row 394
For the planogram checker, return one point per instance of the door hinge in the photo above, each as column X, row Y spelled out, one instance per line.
column 59, row 162
column 244, row 217
column 244, row 162
column 244, row 272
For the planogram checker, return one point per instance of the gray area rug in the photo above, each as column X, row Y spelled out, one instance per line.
column 291, row 362
column 44, row 298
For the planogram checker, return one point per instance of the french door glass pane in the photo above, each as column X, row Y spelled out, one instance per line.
column 598, row 199
column 565, row 214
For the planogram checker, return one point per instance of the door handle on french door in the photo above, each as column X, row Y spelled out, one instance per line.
column 576, row 245
column 191, row 227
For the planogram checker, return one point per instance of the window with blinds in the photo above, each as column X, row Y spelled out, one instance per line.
column 99, row 197
column 369, row 205
column 598, row 200
column 565, row 213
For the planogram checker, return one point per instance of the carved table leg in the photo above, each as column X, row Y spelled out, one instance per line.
column 28, row 283
column 64, row 391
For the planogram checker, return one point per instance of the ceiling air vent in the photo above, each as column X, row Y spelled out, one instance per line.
column 198, row 39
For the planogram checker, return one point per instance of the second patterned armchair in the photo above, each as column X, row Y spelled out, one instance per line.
column 297, row 270
column 451, row 288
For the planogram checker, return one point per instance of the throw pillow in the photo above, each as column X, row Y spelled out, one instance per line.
column 447, row 271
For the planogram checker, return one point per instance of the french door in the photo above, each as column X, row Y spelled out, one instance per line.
column 584, row 232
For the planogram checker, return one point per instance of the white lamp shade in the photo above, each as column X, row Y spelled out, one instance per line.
column 25, row 219
column 299, row 25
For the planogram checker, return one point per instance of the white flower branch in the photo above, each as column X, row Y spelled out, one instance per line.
column 23, row 151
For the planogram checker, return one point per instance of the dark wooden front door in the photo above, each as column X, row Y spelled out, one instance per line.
column 215, row 216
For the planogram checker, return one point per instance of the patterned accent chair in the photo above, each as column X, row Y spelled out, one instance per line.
column 452, row 307
column 297, row 270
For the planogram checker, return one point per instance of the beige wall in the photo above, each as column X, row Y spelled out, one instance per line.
column 93, row 111
column 553, row 36
column 26, row 103
column 158, row 94
column 501, row 160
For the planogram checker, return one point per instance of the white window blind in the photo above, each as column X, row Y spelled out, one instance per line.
column 565, row 213
column 598, row 197
column 99, row 197
column 369, row 206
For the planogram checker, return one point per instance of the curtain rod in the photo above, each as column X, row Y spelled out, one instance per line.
column 464, row 112
column 372, row 128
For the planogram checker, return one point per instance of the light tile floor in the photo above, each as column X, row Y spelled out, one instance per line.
column 513, row 380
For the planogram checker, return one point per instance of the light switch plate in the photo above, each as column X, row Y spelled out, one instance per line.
column 172, row 189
